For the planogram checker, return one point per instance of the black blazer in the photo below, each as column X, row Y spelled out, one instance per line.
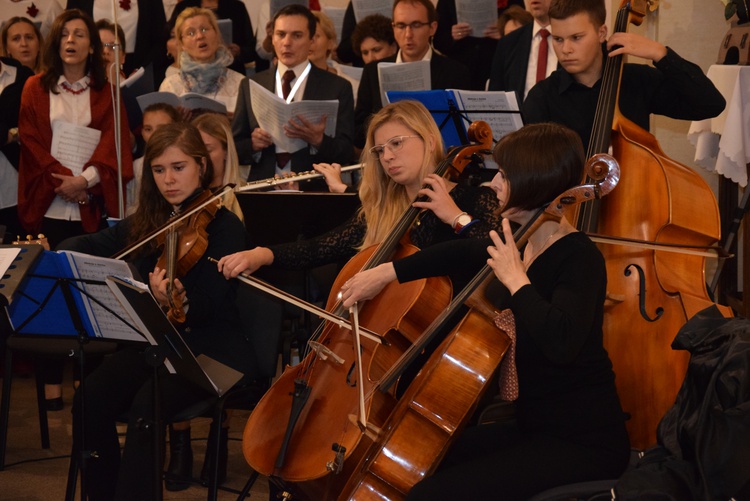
column 321, row 85
column 445, row 73
column 10, row 103
column 511, row 61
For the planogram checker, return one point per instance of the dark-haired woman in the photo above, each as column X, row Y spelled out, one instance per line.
column 569, row 423
column 57, row 196
column 177, row 167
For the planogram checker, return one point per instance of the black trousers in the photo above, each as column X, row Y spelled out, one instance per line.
column 122, row 385
column 496, row 462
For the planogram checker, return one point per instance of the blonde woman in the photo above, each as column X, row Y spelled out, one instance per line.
column 203, row 60
column 217, row 136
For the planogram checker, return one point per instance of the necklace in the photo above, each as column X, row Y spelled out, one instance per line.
column 529, row 257
column 67, row 88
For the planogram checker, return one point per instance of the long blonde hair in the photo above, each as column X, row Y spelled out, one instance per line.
column 384, row 200
column 217, row 125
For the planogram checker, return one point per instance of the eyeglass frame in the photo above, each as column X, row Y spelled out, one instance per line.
column 378, row 150
column 195, row 31
column 414, row 25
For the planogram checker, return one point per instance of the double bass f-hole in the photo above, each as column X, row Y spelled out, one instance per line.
column 642, row 294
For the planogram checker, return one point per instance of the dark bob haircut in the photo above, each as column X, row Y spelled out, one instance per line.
column 540, row 162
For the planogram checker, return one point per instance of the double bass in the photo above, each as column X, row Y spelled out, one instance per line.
column 651, row 293
column 307, row 426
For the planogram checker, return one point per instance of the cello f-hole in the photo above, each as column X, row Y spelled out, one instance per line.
column 642, row 294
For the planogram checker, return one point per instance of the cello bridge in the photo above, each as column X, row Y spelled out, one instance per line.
column 325, row 353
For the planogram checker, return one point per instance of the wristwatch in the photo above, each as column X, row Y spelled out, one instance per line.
column 461, row 222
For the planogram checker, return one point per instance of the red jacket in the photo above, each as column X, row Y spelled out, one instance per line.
column 36, row 188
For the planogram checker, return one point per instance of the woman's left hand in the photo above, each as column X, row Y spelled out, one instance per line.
column 72, row 188
column 440, row 201
column 505, row 260
column 234, row 49
column 367, row 284
column 158, row 281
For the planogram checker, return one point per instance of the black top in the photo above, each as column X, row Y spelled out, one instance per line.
column 566, row 382
column 342, row 242
column 675, row 88
column 10, row 103
column 212, row 323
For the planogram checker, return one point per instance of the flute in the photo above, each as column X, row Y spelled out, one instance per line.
column 301, row 176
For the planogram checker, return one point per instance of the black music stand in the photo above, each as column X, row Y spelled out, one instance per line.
column 168, row 348
column 50, row 308
column 275, row 217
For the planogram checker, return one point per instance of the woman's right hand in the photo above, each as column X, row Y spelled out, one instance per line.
column 245, row 262
column 367, row 284
column 332, row 175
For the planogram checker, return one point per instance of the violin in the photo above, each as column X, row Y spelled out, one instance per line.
column 182, row 245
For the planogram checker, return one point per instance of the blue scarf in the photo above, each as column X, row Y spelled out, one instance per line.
column 205, row 78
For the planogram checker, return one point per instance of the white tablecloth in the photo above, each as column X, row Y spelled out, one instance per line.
column 723, row 143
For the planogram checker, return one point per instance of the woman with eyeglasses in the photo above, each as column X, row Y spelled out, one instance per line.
column 403, row 149
column 203, row 60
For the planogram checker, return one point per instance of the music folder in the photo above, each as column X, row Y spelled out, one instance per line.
column 149, row 318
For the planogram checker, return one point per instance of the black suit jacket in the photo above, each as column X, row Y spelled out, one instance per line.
column 321, row 85
column 10, row 103
column 445, row 73
column 511, row 61
column 151, row 43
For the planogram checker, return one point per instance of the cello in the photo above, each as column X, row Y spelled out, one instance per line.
column 651, row 293
column 311, row 434
column 445, row 393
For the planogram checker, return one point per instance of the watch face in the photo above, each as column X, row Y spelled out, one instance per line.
column 464, row 219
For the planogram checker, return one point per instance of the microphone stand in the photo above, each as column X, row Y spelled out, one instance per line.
column 118, row 112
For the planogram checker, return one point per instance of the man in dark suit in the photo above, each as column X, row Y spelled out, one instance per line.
column 293, row 31
column 515, row 65
column 414, row 24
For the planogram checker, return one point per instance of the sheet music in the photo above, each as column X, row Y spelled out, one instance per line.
column 478, row 13
column 476, row 103
column 225, row 28
column 273, row 113
column 363, row 8
column 190, row 100
column 7, row 256
column 336, row 14
column 73, row 145
column 104, row 323
column 403, row 76
column 137, row 74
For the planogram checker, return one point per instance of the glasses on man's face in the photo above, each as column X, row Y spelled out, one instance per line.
column 394, row 144
column 414, row 26
column 192, row 33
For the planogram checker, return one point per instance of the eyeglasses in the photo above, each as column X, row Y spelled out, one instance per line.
column 394, row 144
column 192, row 33
column 414, row 26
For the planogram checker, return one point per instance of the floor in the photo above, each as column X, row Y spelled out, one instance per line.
column 35, row 474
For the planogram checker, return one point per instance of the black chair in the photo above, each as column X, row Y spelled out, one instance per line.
column 244, row 395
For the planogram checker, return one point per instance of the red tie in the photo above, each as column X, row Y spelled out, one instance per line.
column 286, row 81
column 541, row 62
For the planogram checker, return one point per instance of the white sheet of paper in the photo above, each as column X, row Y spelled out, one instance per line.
column 479, row 104
column 73, row 145
column 363, row 8
column 336, row 14
column 105, row 324
column 7, row 255
column 225, row 28
column 273, row 113
column 403, row 76
column 478, row 13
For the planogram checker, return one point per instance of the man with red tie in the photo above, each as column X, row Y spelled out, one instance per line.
column 524, row 56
